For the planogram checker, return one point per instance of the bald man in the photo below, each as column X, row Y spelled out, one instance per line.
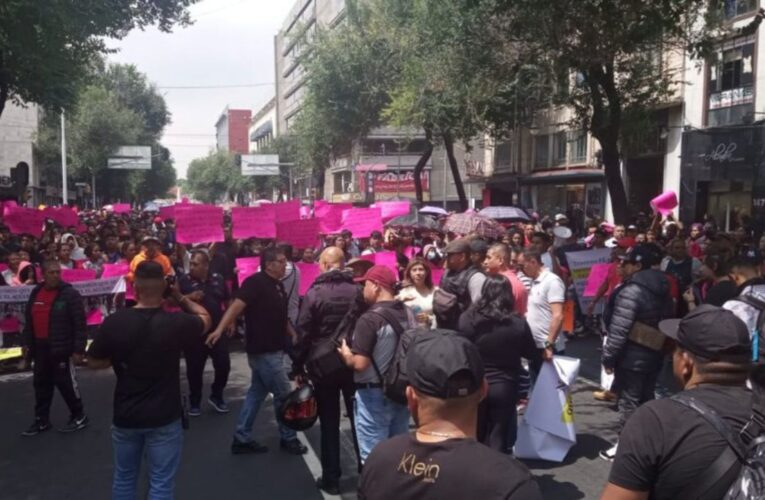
column 324, row 306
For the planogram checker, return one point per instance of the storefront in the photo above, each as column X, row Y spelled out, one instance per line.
column 385, row 182
column 574, row 191
column 722, row 176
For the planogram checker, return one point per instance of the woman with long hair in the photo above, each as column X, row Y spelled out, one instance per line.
column 502, row 338
column 418, row 291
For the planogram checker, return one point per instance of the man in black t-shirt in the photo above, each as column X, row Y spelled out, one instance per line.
column 263, row 301
column 144, row 345
column 442, row 460
column 666, row 449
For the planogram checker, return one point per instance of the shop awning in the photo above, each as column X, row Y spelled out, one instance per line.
column 574, row 176
column 371, row 167
column 262, row 131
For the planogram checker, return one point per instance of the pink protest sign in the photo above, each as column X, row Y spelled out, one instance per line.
column 598, row 274
column 75, row 275
column 322, row 208
column 391, row 209
column 300, row 233
column 287, row 211
column 113, row 270
column 24, row 220
column 362, row 221
column 63, row 216
column 121, row 208
column 246, row 267
column 198, row 223
column 253, row 222
column 95, row 317
column 7, row 204
column 410, row 252
column 167, row 212
column 437, row 272
column 387, row 259
column 331, row 217
column 308, row 274
column 10, row 324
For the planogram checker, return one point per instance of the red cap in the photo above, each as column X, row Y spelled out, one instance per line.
column 157, row 220
column 381, row 275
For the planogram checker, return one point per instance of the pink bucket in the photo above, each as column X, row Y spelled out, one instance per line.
column 664, row 203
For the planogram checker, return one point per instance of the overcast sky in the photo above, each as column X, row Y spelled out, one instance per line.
column 230, row 43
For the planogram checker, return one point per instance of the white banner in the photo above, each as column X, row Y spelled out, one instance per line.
column 580, row 263
column 90, row 288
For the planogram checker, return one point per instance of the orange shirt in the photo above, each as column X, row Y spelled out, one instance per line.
column 160, row 259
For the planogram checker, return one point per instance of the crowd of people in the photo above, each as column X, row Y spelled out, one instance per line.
column 689, row 297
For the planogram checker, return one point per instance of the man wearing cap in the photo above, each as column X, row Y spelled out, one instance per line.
column 666, row 448
column 461, row 279
column 150, row 246
column 442, row 459
column 370, row 356
column 631, row 317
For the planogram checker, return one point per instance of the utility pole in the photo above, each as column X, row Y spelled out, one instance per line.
column 63, row 159
column 398, row 172
column 94, row 191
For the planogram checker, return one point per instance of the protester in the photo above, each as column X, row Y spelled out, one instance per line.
column 375, row 243
column 478, row 249
column 64, row 256
column 94, row 261
column 502, row 338
column 667, row 449
column 209, row 290
column 374, row 343
column 18, row 272
column 150, row 253
column 442, row 460
column 497, row 262
column 324, row 306
column 54, row 337
column 291, row 283
column 418, row 291
column 461, row 279
column 144, row 344
column 263, row 301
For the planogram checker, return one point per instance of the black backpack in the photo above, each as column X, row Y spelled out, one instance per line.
column 452, row 298
column 758, row 345
column 395, row 379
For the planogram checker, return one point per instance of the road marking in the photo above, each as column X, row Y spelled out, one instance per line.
column 314, row 464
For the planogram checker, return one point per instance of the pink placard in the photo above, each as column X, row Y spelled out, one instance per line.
column 362, row 221
column 300, row 233
column 198, row 223
column 308, row 274
column 121, row 208
column 64, row 216
column 167, row 212
column 10, row 324
column 75, row 275
column 437, row 272
column 410, row 252
column 391, row 209
column 112, row 270
column 387, row 259
column 3, row 267
column 95, row 317
column 287, row 211
column 321, row 208
column 331, row 217
column 598, row 274
column 24, row 220
column 7, row 204
column 253, row 222
column 246, row 267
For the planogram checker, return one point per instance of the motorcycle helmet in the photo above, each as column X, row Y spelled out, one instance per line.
column 299, row 410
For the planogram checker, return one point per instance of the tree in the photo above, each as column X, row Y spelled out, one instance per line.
column 216, row 177
column 46, row 48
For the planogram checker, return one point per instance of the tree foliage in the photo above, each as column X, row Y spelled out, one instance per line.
column 216, row 177
column 46, row 47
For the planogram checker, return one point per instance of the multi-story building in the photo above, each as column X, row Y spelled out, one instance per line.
column 263, row 127
column 18, row 126
column 380, row 166
column 232, row 130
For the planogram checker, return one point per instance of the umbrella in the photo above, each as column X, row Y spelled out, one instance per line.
column 414, row 221
column 467, row 223
column 510, row 214
column 151, row 207
column 433, row 211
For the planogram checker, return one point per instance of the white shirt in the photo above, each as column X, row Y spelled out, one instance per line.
column 546, row 289
column 418, row 303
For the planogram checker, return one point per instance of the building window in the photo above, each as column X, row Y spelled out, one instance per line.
column 342, row 183
column 578, row 142
column 503, row 157
column 560, row 141
column 542, row 151
column 731, row 86
column 735, row 8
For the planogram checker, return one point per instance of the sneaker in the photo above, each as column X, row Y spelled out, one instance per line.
column 604, row 396
column 609, row 454
column 241, row 448
column 327, row 487
column 293, row 447
column 37, row 427
column 75, row 424
column 195, row 411
column 219, row 405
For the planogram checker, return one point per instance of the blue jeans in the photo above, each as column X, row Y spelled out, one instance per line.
column 377, row 418
column 269, row 375
column 162, row 446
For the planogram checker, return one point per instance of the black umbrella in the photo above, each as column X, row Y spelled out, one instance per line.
column 414, row 221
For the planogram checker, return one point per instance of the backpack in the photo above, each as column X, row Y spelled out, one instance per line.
column 758, row 346
column 395, row 379
column 448, row 300
column 738, row 473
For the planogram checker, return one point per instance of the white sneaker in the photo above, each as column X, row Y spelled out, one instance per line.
column 609, row 454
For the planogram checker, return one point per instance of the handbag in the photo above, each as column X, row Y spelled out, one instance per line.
column 647, row 336
column 323, row 359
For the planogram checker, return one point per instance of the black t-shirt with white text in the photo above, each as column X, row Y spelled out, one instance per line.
column 665, row 446
column 404, row 468
column 146, row 360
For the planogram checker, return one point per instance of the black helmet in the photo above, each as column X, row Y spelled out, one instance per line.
column 299, row 410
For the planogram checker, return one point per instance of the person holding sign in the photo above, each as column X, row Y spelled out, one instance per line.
column 150, row 253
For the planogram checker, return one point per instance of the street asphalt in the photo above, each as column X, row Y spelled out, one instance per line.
column 55, row 466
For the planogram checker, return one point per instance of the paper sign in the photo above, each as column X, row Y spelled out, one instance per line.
column 387, row 259
column 598, row 274
column 322, row 208
column 308, row 274
column 198, row 224
column 580, row 263
column 392, row 209
column 76, row 275
column 287, row 211
column 410, row 252
column 112, row 270
column 253, row 222
column 246, row 267
column 300, row 233
column 121, row 208
column 24, row 220
column 437, row 272
column 63, row 216
column 167, row 212
column 362, row 221
column 331, row 217
column 10, row 324
column 95, row 317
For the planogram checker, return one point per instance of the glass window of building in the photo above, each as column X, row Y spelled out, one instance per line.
column 560, row 141
column 578, row 142
column 542, row 151
column 735, row 8
column 731, row 86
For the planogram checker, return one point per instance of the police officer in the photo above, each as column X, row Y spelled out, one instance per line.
column 209, row 290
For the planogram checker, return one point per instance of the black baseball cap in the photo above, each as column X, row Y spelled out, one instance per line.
column 444, row 365
column 639, row 254
column 711, row 332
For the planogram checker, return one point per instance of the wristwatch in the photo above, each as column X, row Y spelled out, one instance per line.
column 548, row 344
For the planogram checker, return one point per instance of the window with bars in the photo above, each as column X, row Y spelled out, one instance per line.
column 731, row 85
column 578, row 140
